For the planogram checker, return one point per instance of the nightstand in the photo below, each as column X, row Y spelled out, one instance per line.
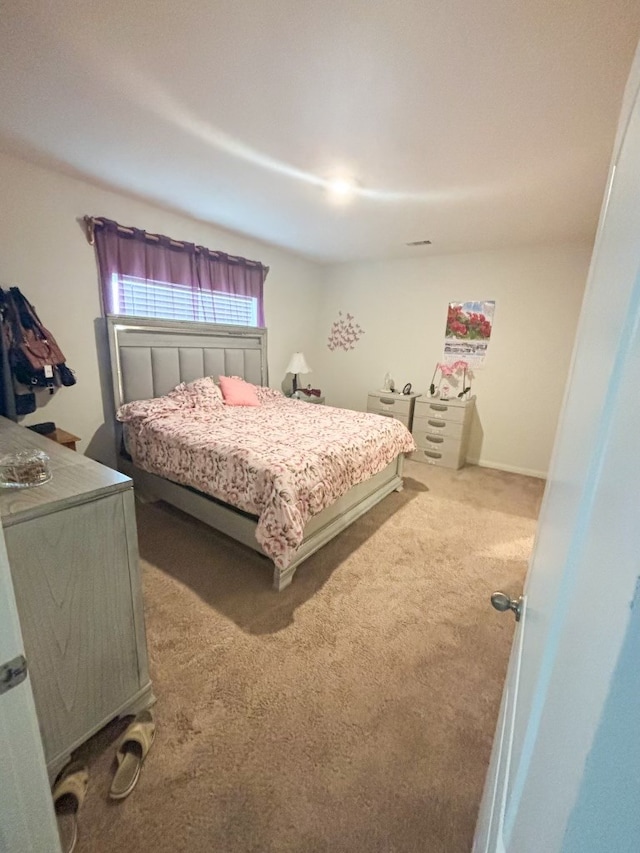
column 310, row 398
column 66, row 439
column 393, row 405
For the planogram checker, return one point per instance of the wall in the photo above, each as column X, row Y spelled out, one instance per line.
column 402, row 305
column 44, row 252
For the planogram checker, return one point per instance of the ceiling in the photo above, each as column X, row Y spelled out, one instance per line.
column 473, row 123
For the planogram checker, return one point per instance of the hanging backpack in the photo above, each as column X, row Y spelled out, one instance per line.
column 15, row 399
column 36, row 359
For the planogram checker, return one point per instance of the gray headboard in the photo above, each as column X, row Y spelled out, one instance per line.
column 150, row 357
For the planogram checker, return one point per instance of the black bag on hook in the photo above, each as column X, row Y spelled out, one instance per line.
column 35, row 357
column 25, row 403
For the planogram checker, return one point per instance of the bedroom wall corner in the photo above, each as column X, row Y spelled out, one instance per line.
column 401, row 306
column 46, row 254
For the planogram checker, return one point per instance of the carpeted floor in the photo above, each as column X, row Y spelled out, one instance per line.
column 352, row 712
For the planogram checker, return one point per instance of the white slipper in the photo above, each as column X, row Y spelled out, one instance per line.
column 68, row 795
column 132, row 750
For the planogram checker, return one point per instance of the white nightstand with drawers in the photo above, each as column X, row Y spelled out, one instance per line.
column 441, row 431
column 399, row 406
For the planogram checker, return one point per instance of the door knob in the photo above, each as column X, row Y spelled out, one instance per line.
column 502, row 602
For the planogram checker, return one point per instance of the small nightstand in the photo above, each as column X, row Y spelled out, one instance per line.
column 393, row 405
column 66, row 439
column 310, row 398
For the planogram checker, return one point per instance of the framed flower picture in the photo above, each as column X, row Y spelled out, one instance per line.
column 467, row 333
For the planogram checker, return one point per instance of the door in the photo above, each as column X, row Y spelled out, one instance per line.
column 581, row 586
column 27, row 821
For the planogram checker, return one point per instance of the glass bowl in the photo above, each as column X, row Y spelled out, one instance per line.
column 24, row 469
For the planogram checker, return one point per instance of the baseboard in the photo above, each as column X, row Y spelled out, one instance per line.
column 512, row 469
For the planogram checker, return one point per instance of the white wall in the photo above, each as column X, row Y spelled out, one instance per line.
column 45, row 253
column 402, row 306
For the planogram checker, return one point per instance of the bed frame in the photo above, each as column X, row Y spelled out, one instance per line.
column 150, row 357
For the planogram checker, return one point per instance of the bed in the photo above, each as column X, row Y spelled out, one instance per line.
column 283, row 478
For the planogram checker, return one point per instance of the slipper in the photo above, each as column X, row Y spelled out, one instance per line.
column 132, row 750
column 68, row 795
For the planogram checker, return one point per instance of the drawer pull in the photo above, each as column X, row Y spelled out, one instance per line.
column 438, row 407
column 387, row 401
column 432, row 454
column 435, row 439
column 439, row 424
column 385, row 414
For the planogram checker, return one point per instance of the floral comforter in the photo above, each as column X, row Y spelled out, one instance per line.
column 283, row 461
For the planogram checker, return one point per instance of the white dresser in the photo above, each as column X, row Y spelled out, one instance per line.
column 441, row 431
column 73, row 552
column 399, row 406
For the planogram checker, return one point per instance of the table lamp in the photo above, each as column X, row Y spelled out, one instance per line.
column 297, row 364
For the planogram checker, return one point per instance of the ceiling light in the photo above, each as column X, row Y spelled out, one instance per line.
column 341, row 189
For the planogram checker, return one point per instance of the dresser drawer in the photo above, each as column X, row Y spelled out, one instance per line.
column 437, row 426
column 428, row 441
column 446, row 457
column 393, row 404
column 441, row 410
column 397, row 416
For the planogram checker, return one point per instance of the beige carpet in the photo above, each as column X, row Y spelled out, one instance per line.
column 354, row 711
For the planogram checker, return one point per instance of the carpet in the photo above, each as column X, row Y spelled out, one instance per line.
column 354, row 711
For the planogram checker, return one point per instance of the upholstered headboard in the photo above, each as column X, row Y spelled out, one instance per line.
column 150, row 357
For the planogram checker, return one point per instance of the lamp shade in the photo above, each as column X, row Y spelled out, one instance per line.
column 298, row 364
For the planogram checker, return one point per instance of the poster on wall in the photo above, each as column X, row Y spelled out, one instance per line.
column 468, row 332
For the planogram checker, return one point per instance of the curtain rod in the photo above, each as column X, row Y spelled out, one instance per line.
column 92, row 221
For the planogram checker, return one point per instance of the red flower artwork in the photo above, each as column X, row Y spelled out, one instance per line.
column 472, row 326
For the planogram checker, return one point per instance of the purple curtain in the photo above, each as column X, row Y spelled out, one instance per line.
column 220, row 272
column 152, row 257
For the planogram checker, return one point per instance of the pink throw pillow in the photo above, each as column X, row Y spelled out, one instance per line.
column 237, row 392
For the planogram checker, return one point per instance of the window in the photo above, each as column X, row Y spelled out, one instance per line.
column 150, row 275
column 139, row 297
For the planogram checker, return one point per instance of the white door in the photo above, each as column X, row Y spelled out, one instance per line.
column 27, row 820
column 580, row 589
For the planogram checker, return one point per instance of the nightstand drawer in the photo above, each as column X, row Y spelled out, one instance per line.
column 437, row 426
column 441, row 410
column 398, row 417
column 429, row 441
column 446, row 457
column 389, row 404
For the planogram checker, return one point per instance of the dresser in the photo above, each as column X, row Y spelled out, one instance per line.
column 441, row 431
column 73, row 552
column 399, row 406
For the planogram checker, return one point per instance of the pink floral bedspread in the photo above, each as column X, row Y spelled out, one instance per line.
column 283, row 461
